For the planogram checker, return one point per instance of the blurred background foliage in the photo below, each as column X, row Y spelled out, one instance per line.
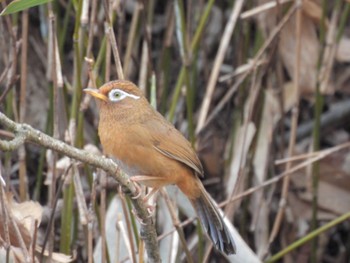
column 259, row 87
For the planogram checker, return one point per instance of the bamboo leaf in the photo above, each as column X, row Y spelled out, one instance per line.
column 20, row 5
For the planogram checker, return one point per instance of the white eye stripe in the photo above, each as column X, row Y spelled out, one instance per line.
column 118, row 95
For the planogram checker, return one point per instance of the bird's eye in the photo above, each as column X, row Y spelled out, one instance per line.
column 116, row 95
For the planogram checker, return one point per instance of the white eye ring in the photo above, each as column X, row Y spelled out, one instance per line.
column 118, row 95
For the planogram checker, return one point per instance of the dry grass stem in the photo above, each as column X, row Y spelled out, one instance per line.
column 295, row 115
column 218, row 62
column 262, row 8
column 176, row 223
column 259, row 54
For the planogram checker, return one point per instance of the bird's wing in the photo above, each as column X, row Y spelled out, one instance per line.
column 171, row 143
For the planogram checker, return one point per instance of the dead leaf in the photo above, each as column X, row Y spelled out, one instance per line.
column 343, row 51
column 259, row 205
column 290, row 96
column 334, row 184
column 302, row 211
column 242, row 144
column 309, row 51
column 56, row 257
column 23, row 215
column 313, row 10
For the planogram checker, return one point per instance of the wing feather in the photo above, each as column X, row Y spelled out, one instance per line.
column 178, row 148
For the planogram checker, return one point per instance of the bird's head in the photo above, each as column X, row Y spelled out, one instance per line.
column 120, row 101
column 117, row 93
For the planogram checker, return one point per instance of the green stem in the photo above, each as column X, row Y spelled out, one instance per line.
column 308, row 237
column 63, row 33
column 67, row 219
column 316, row 137
column 343, row 21
column 77, row 66
column 316, row 169
column 68, row 193
column 194, row 45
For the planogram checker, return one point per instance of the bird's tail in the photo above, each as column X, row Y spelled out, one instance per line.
column 213, row 223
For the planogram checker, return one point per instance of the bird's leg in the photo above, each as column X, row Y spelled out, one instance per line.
column 136, row 184
column 146, row 179
column 151, row 208
column 152, row 181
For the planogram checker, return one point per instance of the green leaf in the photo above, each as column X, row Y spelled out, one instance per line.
column 20, row 5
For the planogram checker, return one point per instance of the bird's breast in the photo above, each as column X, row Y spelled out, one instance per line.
column 130, row 149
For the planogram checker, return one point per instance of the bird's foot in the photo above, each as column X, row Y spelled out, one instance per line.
column 143, row 178
column 151, row 208
column 138, row 190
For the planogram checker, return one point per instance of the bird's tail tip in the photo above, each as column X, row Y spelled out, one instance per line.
column 214, row 224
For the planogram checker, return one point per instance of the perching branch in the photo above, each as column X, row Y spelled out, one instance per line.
column 13, row 144
column 26, row 133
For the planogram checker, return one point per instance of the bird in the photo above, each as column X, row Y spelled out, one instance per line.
column 154, row 153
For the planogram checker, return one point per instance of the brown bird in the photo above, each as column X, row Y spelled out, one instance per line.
column 151, row 150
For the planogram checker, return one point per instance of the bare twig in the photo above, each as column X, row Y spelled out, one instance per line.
column 82, row 207
column 295, row 114
column 52, row 215
column 91, row 28
column 30, row 134
column 217, row 64
column 262, row 8
column 258, row 56
column 14, row 144
column 338, row 114
column 176, row 223
column 111, row 37
column 131, row 37
column 108, row 57
column 5, row 220
column 130, row 243
column 103, row 206
column 23, row 181
column 91, row 222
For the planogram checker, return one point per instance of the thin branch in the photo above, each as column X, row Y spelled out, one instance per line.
column 262, row 8
column 230, row 26
column 294, row 119
column 275, row 32
column 5, row 220
column 148, row 232
column 111, row 37
column 177, row 224
column 13, row 144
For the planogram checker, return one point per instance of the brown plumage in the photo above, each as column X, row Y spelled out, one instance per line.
column 149, row 147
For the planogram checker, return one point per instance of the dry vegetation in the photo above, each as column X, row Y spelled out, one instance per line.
column 260, row 87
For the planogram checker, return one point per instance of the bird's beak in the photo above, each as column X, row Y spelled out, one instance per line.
column 96, row 93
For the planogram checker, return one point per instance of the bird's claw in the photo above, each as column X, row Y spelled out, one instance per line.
column 151, row 209
column 141, row 221
column 138, row 218
column 138, row 190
